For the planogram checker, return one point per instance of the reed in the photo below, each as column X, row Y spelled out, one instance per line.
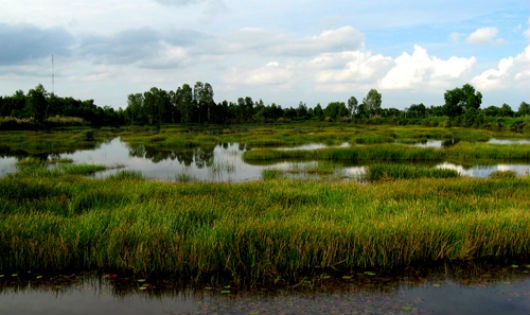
column 255, row 233
column 354, row 154
column 406, row 171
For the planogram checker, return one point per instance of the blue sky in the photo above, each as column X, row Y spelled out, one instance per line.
column 279, row 51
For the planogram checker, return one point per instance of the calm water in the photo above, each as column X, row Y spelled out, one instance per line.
column 484, row 291
column 224, row 163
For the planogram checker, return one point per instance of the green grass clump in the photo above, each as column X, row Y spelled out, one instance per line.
column 503, row 174
column 406, row 171
column 354, row 154
column 254, row 233
column 271, row 174
column 127, row 175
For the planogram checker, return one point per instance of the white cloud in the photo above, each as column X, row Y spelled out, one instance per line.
column 527, row 33
column 485, row 35
column 511, row 72
column 350, row 67
column 259, row 41
column 420, row 70
column 273, row 73
column 455, row 37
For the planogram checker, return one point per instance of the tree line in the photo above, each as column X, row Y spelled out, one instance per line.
column 196, row 104
column 38, row 105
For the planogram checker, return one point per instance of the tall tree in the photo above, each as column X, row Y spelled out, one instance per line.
column 524, row 109
column 185, row 103
column 38, row 103
column 352, row 105
column 203, row 97
column 459, row 100
column 373, row 101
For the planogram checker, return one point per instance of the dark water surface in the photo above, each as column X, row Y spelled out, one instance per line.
column 484, row 291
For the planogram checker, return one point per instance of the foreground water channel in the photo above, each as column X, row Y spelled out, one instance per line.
column 485, row 290
column 224, row 163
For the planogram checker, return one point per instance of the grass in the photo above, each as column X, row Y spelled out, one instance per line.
column 460, row 152
column 406, row 171
column 255, row 233
column 55, row 219
column 354, row 154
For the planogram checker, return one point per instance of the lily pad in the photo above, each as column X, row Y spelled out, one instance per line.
column 406, row 308
column 225, row 292
column 370, row 273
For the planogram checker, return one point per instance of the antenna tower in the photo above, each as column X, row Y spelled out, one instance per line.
column 53, row 76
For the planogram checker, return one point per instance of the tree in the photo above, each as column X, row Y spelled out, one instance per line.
column 38, row 103
column 416, row 111
column 135, row 111
column 506, row 110
column 373, row 102
column 336, row 110
column 352, row 105
column 184, row 103
column 318, row 112
column 203, row 98
column 524, row 109
column 459, row 100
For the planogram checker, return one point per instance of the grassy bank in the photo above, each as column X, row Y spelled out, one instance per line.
column 461, row 152
column 263, row 231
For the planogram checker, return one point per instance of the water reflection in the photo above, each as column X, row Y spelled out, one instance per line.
column 224, row 163
column 506, row 141
column 437, row 143
column 447, row 289
column 484, row 171
column 312, row 146
column 221, row 163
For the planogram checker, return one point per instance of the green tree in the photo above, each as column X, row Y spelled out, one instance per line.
column 524, row 109
column 135, row 111
column 506, row 110
column 416, row 111
column 458, row 100
column 373, row 101
column 336, row 110
column 203, row 97
column 185, row 103
column 38, row 103
column 352, row 105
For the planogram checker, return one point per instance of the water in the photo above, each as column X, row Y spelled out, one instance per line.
column 224, row 163
column 313, row 146
column 484, row 171
column 7, row 166
column 450, row 142
column 484, row 291
column 506, row 141
column 437, row 143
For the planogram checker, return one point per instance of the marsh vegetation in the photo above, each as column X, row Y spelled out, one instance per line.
column 56, row 217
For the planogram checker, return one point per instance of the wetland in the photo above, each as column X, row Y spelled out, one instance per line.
column 266, row 208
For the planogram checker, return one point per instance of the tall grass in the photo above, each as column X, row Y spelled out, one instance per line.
column 254, row 233
column 463, row 151
column 378, row 152
column 407, row 171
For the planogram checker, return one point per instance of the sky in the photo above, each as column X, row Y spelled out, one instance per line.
column 282, row 52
